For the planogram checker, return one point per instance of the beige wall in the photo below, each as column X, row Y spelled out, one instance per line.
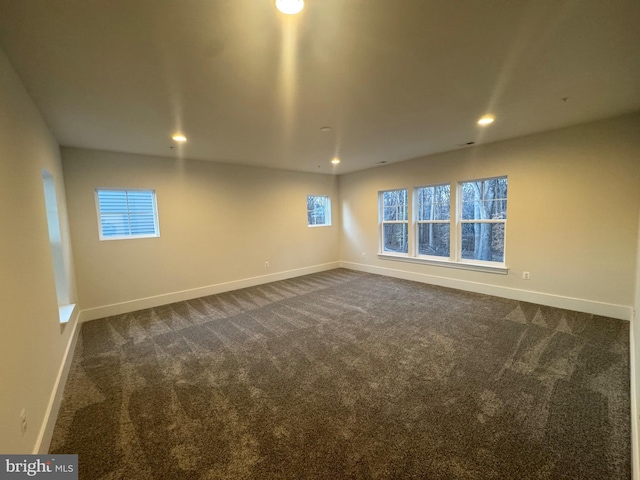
column 218, row 223
column 574, row 201
column 574, row 205
column 31, row 344
column 635, row 373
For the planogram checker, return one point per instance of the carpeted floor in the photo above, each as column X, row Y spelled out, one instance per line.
column 347, row 375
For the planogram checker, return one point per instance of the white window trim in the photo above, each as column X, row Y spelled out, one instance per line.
column 414, row 247
column 477, row 267
column 382, row 223
column 455, row 259
column 460, row 221
column 128, row 237
column 327, row 212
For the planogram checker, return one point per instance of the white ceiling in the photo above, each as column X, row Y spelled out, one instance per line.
column 394, row 79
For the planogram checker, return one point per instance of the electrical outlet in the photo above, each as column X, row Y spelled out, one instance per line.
column 526, row 275
column 364, row 255
column 23, row 421
column 266, row 264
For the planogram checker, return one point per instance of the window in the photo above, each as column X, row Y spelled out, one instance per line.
column 58, row 246
column 318, row 210
column 483, row 218
column 433, row 220
column 472, row 239
column 394, row 221
column 127, row 214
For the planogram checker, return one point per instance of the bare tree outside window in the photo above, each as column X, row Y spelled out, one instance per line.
column 483, row 218
column 318, row 210
column 433, row 220
column 395, row 226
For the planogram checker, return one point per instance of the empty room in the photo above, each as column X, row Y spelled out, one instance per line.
column 319, row 239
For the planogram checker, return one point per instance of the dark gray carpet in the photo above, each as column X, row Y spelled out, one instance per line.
column 343, row 375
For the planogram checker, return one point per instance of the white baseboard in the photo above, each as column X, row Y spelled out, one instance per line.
column 635, row 434
column 155, row 301
column 621, row 312
column 46, row 430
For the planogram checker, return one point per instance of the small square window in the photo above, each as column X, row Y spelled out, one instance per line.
column 127, row 214
column 318, row 210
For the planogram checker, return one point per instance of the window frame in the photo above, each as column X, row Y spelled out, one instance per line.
column 382, row 222
column 327, row 211
column 455, row 259
column 417, row 222
column 59, row 244
column 156, row 222
column 460, row 221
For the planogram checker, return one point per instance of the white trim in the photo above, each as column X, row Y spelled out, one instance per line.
column 327, row 211
column 51, row 415
column 128, row 237
column 457, row 255
column 164, row 299
column 382, row 222
column 485, row 267
column 635, row 440
column 622, row 312
column 156, row 221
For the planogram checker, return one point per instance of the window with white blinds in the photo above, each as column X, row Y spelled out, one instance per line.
column 127, row 214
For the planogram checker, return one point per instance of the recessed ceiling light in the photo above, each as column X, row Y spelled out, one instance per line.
column 486, row 120
column 179, row 138
column 335, row 161
column 290, row 7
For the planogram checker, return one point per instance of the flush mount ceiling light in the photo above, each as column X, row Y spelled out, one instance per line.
column 486, row 120
column 179, row 138
column 290, row 7
column 335, row 161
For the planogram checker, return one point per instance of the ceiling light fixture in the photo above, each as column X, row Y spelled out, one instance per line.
column 335, row 161
column 179, row 138
column 290, row 7
column 486, row 120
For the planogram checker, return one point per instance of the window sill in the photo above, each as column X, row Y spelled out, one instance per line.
column 128, row 237
column 319, row 225
column 500, row 270
column 66, row 312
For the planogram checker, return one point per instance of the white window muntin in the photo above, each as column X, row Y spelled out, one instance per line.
column 391, row 215
column 439, row 216
column 501, row 218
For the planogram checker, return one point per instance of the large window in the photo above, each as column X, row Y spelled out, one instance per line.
column 127, row 214
column 318, row 210
column 394, row 221
column 483, row 217
column 433, row 220
column 473, row 238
